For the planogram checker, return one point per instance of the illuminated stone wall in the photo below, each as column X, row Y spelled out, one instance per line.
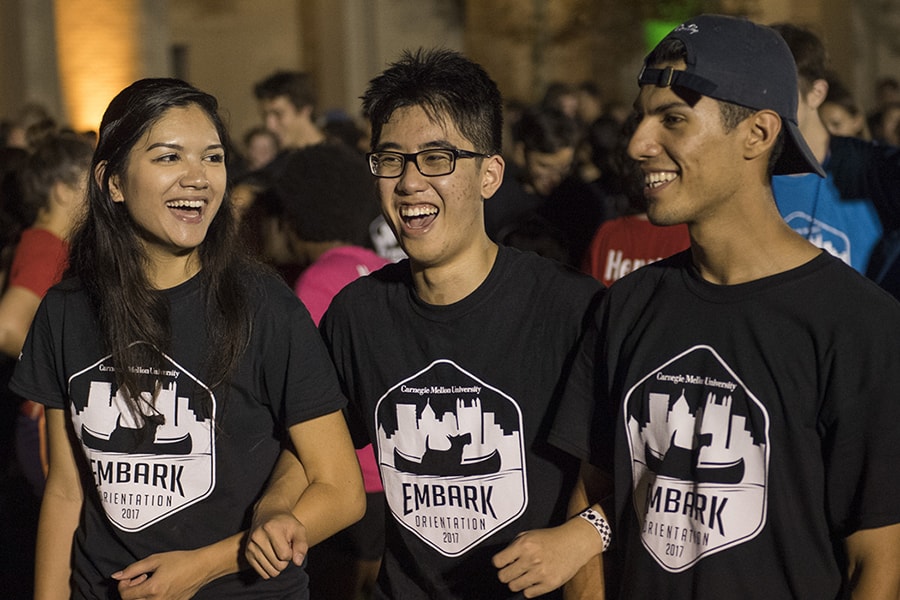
column 97, row 54
column 224, row 46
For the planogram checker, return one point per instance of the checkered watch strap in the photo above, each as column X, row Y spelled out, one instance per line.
column 596, row 519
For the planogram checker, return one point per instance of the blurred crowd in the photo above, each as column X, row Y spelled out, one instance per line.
column 302, row 190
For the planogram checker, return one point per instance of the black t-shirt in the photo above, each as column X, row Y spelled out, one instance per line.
column 189, row 478
column 457, row 400
column 753, row 427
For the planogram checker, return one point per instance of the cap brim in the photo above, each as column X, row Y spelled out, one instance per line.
column 796, row 157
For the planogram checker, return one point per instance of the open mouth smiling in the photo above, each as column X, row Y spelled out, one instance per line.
column 418, row 216
column 658, row 179
column 186, row 208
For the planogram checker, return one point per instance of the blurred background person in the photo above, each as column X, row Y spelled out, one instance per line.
column 48, row 192
column 328, row 203
column 887, row 92
column 628, row 241
column 287, row 103
column 261, row 146
column 840, row 112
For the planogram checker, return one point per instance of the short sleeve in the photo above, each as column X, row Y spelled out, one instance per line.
column 298, row 373
column 860, row 424
column 39, row 261
column 38, row 375
column 585, row 423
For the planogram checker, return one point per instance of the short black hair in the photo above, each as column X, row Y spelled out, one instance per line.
column 326, row 193
column 547, row 130
column 297, row 86
column 809, row 53
column 446, row 85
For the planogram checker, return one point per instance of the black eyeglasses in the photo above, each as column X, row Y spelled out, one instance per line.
column 430, row 163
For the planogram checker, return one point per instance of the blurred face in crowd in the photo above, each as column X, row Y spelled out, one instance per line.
column 261, row 150
column 285, row 120
column 840, row 121
column 546, row 170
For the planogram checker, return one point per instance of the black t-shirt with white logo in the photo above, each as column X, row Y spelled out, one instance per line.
column 457, row 400
column 183, row 471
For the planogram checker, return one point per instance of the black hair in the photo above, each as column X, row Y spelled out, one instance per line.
column 446, row 85
column 327, row 194
column 57, row 158
column 297, row 86
column 108, row 258
column 546, row 130
column 808, row 51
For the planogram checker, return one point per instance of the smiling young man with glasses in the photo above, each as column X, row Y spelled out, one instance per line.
column 454, row 359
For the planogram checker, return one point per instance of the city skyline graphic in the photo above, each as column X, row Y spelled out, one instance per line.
column 451, row 453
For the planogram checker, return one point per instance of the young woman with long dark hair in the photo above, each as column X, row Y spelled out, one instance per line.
column 174, row 370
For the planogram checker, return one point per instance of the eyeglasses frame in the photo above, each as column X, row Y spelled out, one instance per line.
column 413, row 157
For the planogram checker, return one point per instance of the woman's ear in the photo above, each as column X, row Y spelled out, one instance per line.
column 115, row 188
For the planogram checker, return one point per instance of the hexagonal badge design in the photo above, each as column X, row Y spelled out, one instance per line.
column 699, row 442
column 452, row 458
column 153, row 462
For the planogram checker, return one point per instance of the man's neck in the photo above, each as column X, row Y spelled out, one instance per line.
column 815, row 133
column 729, row 252
column 445, row 284
column 308, row 135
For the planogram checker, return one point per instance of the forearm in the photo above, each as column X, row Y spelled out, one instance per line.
column 11, row 341
column 589, row 581
column 60, row 513
column 287, row 483
column 334, row 497
column 222, row 558
column 56, row 529
column 326, row 509
column 874, row 563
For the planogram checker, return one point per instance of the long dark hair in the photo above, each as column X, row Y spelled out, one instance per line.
column 107, row 257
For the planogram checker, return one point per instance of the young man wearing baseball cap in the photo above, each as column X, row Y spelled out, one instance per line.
column 743, row 392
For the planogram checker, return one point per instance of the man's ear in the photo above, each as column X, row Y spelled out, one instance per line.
column 763, row 129
column 306, row 111
column 115, row 187
column 491, row 175
column 817, row 93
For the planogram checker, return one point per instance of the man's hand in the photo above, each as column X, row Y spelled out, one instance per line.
column 274, row 541
column 165, row 576
column 541, row 560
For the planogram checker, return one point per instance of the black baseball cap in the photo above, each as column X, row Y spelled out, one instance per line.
column 735, row 60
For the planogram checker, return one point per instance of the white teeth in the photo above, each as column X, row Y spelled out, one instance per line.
column 185, row 204
column 417, row 211
column 657, row 178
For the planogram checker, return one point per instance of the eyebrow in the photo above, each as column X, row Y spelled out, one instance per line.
column 441, row 144
column 661, row 108
column 174, row 146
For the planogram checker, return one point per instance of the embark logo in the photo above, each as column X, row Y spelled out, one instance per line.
column 451, row 456
column 699, row 442
column 152, row 460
